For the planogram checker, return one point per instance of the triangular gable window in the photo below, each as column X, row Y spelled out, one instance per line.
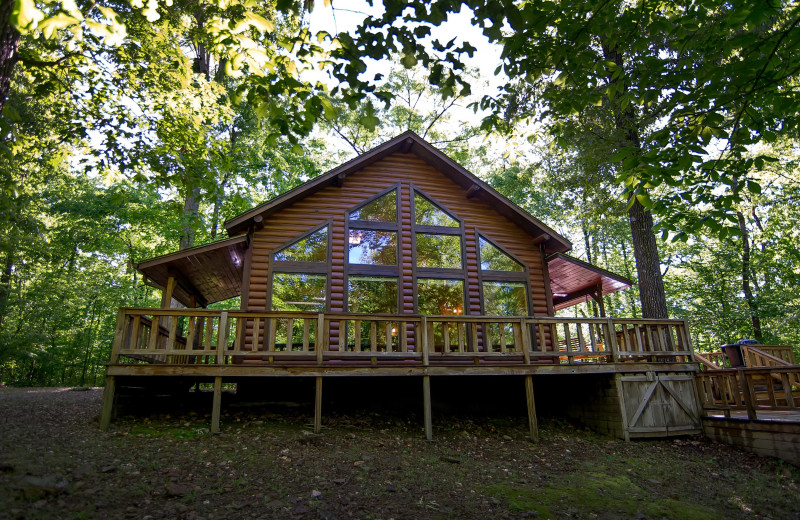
column 382, row 209
column 310, row 248
column 493, row 259
column 426, row 213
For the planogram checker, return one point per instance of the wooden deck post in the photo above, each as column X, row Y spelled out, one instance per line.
column 318, row 406
column 426, row 398
column 215, row 408
column 108, row 402
column 747, row 394
column 533, row 425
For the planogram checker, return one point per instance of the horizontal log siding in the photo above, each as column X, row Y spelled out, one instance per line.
column 334, row 202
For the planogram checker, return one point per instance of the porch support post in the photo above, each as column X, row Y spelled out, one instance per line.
column 318, row 406
column 215, row 407
column 598, row 297
column 533, row 425
column 108, row 402
column 426, row 400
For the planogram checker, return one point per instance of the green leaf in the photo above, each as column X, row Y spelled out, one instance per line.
column 56, row 22
column 260, row 23
column 408, row 61
column 25, row 15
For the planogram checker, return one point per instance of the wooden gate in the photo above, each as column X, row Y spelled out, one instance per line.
column 658, row 405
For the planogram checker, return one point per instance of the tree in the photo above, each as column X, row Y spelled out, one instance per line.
column 674, row 77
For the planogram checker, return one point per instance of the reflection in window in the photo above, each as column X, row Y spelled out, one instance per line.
column 439, row 251
column 427, row 213
column 440, row 297
column 505, row 299
column 372, row 247
column 383, row 209
column 493, row 259
column 313, row 248
column 298, row 292
column 372, row 294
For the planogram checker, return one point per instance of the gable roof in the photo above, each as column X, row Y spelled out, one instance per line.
column 407, row 142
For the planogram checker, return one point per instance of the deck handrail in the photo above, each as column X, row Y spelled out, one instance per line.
column 765, row 389
column 205, row 336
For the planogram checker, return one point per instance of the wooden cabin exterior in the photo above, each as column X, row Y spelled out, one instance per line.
column 402, row 263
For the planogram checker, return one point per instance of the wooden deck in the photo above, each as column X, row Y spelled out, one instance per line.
column 229, row 345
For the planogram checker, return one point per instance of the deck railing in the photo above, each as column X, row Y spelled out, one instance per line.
column 197, row 336
column 752, row 390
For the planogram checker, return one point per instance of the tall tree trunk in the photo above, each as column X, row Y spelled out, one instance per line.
column 752, row 305
column 648, row 264
column 645, row 248
column 191, row 207
column 9, row 40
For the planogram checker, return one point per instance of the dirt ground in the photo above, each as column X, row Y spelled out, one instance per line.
column 56, row 463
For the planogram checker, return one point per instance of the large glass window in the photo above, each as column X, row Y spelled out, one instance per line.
column 372, row 259
column 426, row 213
column 312, row 248
column 298, row 292
column 382, row 209
column 372, row 247
column 505, row 299
column 440, row 297
column 493, row 259
column 299, row 274
column 372, row 294
column 439, row 251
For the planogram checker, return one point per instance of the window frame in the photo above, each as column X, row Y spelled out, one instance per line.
column 486, row 275
column 379, row 271
column 293, row 267
column 439, row 273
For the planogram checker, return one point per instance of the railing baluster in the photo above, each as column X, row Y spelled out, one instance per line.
column 502, row 328
column 401, row 333
column 542, row 338
column 422, row 336
column 388, row 332
column 256, row 334
column 319, row 344
column 272, row 335
column 306, row 333
column 445, row 337
column 473, row 326
column 356, row 335
column 462, row 334
column 192, row 333
column 237, row 342
column 524, row 332
column 222, row 337
column 289, row 334
column 373, row 336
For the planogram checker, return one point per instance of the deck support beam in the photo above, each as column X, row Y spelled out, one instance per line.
column 533, row 425
column 108, row 402
column 318, row 406
column 426, row 400
column 215, row 407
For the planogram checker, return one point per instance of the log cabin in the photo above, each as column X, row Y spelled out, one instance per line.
column 400, row 263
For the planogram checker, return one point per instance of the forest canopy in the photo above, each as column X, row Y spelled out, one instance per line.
column 661, row 138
